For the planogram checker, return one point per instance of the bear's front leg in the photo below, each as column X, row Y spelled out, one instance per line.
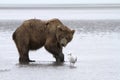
column 59, row 58
column 56, row 50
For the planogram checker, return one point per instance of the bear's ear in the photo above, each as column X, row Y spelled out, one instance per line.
column 59, row 28
column 73, row 31
column 47, row 23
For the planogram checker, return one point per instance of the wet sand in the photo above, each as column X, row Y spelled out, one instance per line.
column 98, row 59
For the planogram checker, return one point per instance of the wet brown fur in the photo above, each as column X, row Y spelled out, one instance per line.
column 34, row 34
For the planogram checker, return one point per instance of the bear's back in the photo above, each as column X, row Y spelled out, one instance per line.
column 34, row 25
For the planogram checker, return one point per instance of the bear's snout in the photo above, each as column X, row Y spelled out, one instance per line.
column 63, row 42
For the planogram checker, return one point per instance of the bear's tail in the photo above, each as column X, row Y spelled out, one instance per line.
column 13, row 36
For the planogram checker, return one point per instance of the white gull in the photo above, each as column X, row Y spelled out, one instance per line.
column 72, row 59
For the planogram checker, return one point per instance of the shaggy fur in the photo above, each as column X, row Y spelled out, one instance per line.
column 34, row 34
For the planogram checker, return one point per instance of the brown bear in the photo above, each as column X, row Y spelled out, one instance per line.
column 34, row 34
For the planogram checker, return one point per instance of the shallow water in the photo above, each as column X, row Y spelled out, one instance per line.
column 97, row 49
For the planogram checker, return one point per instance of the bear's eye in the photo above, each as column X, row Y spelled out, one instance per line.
column 68, row 39
column 61, row 37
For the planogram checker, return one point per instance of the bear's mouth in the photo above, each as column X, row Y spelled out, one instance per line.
column 63, row 45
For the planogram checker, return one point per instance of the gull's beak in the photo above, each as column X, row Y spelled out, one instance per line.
column 69, row 54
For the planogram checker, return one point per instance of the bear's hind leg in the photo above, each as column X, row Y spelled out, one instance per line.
column 24, row 55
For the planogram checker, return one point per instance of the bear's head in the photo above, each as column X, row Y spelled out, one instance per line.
column 64, row 35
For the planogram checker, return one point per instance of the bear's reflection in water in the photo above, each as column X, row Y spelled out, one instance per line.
column 46, row 64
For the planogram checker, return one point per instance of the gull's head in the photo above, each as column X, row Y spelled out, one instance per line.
column 69, row 54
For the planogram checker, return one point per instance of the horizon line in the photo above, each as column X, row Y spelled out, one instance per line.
column 57, row 6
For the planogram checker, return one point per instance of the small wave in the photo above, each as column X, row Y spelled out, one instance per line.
column 4, row 70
